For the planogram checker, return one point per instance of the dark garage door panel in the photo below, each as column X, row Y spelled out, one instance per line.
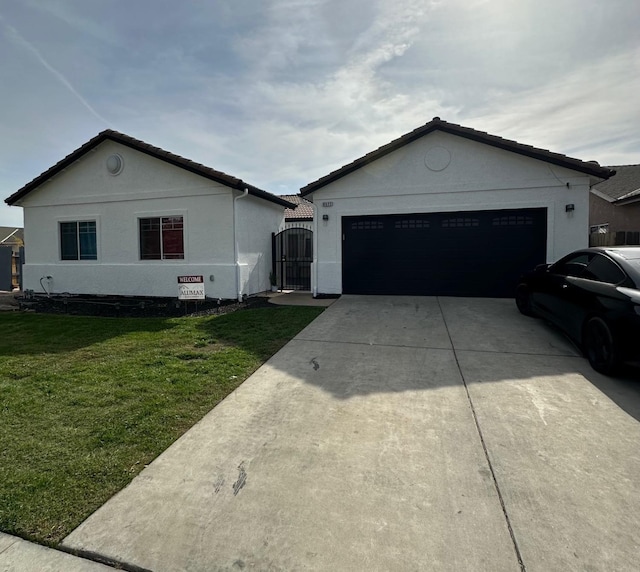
column 477, row 253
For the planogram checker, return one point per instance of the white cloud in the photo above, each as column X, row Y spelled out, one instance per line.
column 17, row 38
column 590, row 110
column 281, row 92
column 322, row 122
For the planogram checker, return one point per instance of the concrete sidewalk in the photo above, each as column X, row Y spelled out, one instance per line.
column 298, row 298
column 397, row 434
column 17, row 555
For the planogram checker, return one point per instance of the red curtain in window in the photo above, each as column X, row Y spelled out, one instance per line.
column 172, row 237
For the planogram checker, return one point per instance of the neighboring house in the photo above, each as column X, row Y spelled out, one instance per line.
column 11, row 243
column 121, row 217
column 11, row 236
column 299, row 217
column 447, row 210
column 614, row 216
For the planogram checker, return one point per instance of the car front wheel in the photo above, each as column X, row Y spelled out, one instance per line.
column 599, row 346
column 523, row 300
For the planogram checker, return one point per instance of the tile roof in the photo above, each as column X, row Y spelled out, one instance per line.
column 156, row 152
column 436, row 124
column 302, row 211
column 623, row 187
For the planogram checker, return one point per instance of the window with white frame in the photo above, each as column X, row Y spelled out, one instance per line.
column 162, row 238
column 78, row 240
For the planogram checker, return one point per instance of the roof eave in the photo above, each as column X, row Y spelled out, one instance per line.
column 592, row 169
column 157, row 153
column 629, row 198
column 602, row 195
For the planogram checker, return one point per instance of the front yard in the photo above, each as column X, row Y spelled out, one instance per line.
column 86, row 403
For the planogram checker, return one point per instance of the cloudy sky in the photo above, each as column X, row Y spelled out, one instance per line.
column 280, row 92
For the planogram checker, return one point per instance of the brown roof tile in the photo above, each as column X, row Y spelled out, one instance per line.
column 302, row 211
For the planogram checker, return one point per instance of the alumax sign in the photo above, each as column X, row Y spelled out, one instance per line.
column 190, row 287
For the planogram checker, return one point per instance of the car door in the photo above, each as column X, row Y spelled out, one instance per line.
column 554, row 290
column 592, row 293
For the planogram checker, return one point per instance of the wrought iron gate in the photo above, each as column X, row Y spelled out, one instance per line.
column 292, row 257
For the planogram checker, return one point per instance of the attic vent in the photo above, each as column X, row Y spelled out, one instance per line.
column 115, row 164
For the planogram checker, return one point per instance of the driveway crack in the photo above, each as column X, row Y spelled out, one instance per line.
column 484, row 446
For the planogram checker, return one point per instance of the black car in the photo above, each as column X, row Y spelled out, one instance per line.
column 594, row 296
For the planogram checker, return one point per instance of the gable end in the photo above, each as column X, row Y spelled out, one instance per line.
column 156, row 152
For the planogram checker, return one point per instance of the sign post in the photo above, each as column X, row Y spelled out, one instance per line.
column 190, row 287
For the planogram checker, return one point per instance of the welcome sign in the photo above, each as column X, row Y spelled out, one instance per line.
column 190, row 287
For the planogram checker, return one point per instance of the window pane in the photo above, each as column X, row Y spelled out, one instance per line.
column 150, row 239
column 172, row 223
column 87, row 239
column 573, row 265
column 69, row 240
column 460, row 222
column 172, row 238
column 603, row 270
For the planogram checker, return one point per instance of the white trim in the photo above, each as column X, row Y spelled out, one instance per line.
column 602, row 196
column 9, row 236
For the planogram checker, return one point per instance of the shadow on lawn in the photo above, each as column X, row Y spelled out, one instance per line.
column 259, row 331
column 31, row 334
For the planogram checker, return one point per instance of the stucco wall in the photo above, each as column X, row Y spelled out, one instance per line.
column 476, row 177
column 257, row 220
column 145, row 187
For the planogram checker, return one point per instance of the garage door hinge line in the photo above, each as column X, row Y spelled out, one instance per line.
column 484, row 446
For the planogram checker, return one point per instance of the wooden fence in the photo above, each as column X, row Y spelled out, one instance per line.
column 619, row 238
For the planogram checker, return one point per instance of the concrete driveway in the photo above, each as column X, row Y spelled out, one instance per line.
column 397, row 434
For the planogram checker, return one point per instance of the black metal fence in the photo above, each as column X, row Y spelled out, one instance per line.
column 292, row 257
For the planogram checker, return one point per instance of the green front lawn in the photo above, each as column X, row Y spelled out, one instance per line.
column 86, row 403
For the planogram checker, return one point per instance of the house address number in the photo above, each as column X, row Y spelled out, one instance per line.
column 327, row 204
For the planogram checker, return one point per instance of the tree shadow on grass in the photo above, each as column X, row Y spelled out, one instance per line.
column 33, row 334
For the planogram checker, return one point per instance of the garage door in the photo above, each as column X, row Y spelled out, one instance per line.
column 477, row 253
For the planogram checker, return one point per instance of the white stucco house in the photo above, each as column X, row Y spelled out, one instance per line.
column 121, row 217
column 447, row 210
